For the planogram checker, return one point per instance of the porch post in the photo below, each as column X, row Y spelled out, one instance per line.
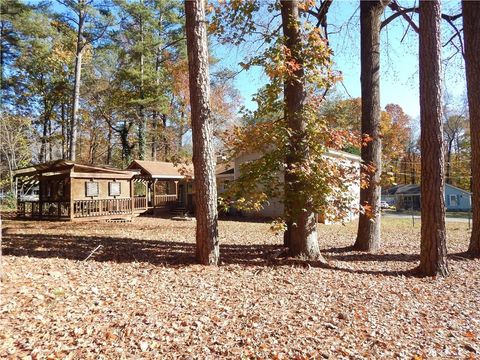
column 72, row 202
column 185, row 189
column 148, row 193
column 132, row 196
column 40, row 196
column 17, row 194
column 154, row 205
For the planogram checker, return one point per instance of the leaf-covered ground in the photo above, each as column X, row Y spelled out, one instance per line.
column 140, row 295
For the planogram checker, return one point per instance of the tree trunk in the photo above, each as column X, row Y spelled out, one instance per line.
column 301, row 237
column 43, row 146
column 142, row 127
column 46, row 119
column 203, row 154
column 368, row 235
column 181, row 130
column 109, row 146
column 154, row 134
column 76, row 88
column 126, row 148
column 64, row 125
column 166, row 146
column 414, row 169
column 448, row 171
column 471, row 31
column 433, row 251
column 50, row 135
column 2, row 56
column 158, row 61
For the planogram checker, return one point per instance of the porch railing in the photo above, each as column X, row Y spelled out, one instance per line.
column 88, row 208
column 140, row 202
column 101, row 207
column 45, row 209
column 164, row 199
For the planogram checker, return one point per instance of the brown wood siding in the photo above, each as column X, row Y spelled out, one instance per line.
column 79, row 189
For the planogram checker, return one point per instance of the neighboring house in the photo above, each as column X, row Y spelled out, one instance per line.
column 407, row 197
column 274, row 207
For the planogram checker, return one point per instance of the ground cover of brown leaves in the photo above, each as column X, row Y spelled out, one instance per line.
column 141, row 296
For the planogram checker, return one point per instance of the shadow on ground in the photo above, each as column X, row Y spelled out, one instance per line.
column 127, row 250
column 177, row 254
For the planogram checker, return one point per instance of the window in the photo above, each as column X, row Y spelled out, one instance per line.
column 114, row 188
column 91, row 188
column 453, row 200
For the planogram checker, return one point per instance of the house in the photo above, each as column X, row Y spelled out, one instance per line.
column 163, row 186
column 408, row 197
column 274, row 207
column 72, row 191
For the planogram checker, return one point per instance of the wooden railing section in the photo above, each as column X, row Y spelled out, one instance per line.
column 45, row 209
column 140, row 202
column 89, row 208
column 164, row 199
column 101, row 207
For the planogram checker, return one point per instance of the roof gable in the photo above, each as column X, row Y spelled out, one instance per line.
column 162, row 169
column 458, row 189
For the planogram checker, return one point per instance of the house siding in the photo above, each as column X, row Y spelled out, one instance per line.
column 275, row 208
column 457, row 199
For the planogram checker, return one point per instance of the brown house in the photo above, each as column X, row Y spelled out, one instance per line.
column 71, row 191
column 64, row 190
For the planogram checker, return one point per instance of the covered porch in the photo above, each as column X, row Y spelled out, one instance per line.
column 161, row 187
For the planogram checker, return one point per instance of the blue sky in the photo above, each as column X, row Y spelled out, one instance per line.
column 399, row 67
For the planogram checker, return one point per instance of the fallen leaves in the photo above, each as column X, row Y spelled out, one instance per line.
column 140, row 296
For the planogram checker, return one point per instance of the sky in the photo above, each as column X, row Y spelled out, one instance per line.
column 399, row 59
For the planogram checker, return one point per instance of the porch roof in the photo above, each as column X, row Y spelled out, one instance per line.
column 161, row 169
column 73, row 169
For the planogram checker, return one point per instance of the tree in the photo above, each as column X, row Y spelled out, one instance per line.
column 90, row 21
column 293, row 144
column 453, row 131
column 396, row 135
column 80, row 9
column 151, row 40
column 39, row 77
column 301, row 235
column 433, row 251
column 14, row 141
column 368, row 235
column 395, row 129
column 11, row 11
column 203, row 155
column 471, row 30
